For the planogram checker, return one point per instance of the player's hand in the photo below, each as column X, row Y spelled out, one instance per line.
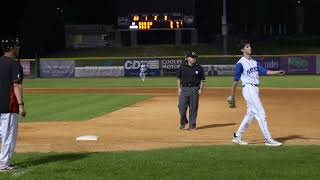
column 229, row 98
column 179, row 91
column 22, row 110
column 282, row 72
column 200, row 91
column 231, row 101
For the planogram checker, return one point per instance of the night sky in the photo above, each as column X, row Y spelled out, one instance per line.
column 104, row 11
column 31, row 12
column 41, row 23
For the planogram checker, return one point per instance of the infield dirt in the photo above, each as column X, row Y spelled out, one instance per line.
column 292, row 114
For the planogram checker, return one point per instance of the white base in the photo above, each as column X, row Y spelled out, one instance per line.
column 87, row 138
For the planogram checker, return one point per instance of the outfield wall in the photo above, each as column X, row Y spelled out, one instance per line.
column 29, row 67
column 318, row 64
column 163, row 66
column 99, row 71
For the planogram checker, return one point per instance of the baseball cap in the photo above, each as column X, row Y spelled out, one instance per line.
column 9, row 42
column 191, row 54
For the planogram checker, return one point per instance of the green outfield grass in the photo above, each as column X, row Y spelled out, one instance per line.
column 211, row 162
column 303, row 81
column 75, row 107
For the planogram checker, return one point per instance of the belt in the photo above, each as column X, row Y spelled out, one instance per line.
column 257, row 85
column 190, row 85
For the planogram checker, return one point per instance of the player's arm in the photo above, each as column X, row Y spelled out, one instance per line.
column 201, row 87
column 203, row 80
column 236, row 78
column 281, row 72
column 264, row 71
column 234, row 88
column 17, row 87
column 17, row 76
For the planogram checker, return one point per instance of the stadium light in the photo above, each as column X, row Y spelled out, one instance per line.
column 224, row 28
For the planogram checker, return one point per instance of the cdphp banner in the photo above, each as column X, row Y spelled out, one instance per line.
column 132, row 67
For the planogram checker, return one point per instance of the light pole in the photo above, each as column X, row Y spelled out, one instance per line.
column 224, row 28
column 300, row 17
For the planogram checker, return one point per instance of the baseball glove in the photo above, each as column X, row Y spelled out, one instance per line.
column 231, row 101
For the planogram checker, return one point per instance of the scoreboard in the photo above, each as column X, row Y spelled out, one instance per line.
column 144, row 15
column 150, row 21
column 146, row 21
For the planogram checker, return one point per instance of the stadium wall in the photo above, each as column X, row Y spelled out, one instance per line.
column 318, row 64
column 162, row 66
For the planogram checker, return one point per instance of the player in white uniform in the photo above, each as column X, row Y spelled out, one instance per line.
column 248, row 70
column 143, row 69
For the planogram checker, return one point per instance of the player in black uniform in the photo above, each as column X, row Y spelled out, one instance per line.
column 11, row 99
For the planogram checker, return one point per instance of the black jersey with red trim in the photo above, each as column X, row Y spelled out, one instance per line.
column 10, row 72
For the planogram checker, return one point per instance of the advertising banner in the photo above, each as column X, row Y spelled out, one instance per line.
column 218, row 70
column 222, row 70
column 299, row 64
column 26, row 66
column 94, row 62
column 99, row 71
column 318, row 64
column 209, row 70
column 57, row 68
column 270, row 63
column 170, row 66
column 132, row 67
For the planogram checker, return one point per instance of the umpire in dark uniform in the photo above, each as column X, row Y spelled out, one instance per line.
column 190, row 82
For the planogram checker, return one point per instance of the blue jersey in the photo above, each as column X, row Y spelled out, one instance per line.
column 248, row 70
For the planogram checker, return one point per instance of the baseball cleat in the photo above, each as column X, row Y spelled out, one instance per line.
column 237, row 140
column 182, row 126
column 272, row 142
column 192, row 128
column 8, row 168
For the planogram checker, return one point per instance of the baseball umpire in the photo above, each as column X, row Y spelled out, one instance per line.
column 11, row 95
column 190, row 82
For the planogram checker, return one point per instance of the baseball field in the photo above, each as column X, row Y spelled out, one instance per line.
column 137, row 125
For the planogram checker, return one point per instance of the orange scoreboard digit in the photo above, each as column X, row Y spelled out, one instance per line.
column 149, row 21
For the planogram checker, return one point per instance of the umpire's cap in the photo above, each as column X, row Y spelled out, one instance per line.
column 10, row 43
column 191, row 54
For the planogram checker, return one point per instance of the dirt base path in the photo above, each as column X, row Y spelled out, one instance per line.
column 293, row 118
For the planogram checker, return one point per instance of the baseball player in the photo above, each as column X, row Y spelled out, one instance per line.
column 11, row 104
column 143, row 69
column 248, row 71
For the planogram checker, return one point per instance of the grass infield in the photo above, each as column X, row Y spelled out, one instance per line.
column 70, row 107
column 302, row 81
column 210, row 162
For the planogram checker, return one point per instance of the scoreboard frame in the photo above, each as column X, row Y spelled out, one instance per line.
column 156, row 21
